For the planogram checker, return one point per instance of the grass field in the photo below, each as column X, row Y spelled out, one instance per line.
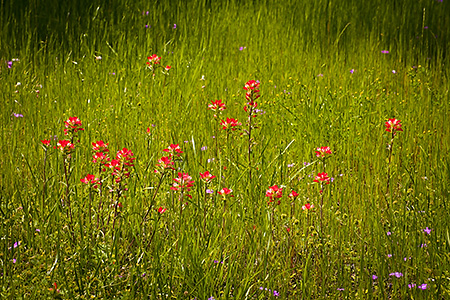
column 124, row 178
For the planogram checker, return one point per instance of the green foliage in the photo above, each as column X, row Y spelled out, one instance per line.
column 324, row 81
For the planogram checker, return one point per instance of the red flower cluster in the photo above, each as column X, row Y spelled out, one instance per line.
column 323, row 151
column 46, row 143
column 307, row 206
column 252, row 88
column 153, row 60
column 230, row 124
column 323, row 178
column 120, row 165
column 225, row 191
column 293, row 194
column 207, row 177
column 173, row 150
column 91, row 180
column 393, row 125
column 73, row 125
column 217, row 105
column 100, row 146
column 274, row 192
column 164, row 163
column 101, row 153
column 183, row 183
column 65, row 146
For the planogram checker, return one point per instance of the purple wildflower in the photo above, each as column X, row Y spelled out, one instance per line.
column 275, row 293
column 374, row 277
column 18, row 115
column 320, row 75
column 389, row 255
column 174, row 26
column 427, row 230
column 393, row 71
column 16, row 244
column 396, row 274
column 422, row 286
column 352, row 71
column 208, row 191
column 385, row 51
column 204, row 148
column 340, row 289
column 411, row 285
column 388, row 233
column 290, row 165
column 10, row 64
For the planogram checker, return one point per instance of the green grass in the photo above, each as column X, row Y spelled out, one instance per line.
column 302, row 53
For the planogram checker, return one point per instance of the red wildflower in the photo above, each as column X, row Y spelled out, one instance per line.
column 230, row 124
column 153, row 60
column 323, row 151
column 125, row 157
column 65, row 146
column 173, row 149
column 252, row 90
column 92, row 180
column 119, row 165
column 307, row 206
column 182, row 182
column 73, row 125
column 251, row 104
column 207, row 177
column 225, row 191
column 167, row 68
column 217, row 105
column 100, row 146
column 164, row 163
column 100, row 157
column 274, row 192
column 322, row 177
column 46, row 143
column 393, row 125
column 161, row 210
column 293, row 194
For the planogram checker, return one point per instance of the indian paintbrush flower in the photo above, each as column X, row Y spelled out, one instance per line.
column 183, row 183
column 207, row 177
column 91, row 180
column 323, row 152
column 173, row 150
column 322, row 178
column 393, row 125
column 216, row 106
column 230, row 124
column 73, row 125
column 274, row 192
column 225, row 191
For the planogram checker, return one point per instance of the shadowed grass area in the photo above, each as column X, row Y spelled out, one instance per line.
column 329, row 74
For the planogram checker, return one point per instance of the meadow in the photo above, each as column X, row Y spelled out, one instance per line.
column 224, row 150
